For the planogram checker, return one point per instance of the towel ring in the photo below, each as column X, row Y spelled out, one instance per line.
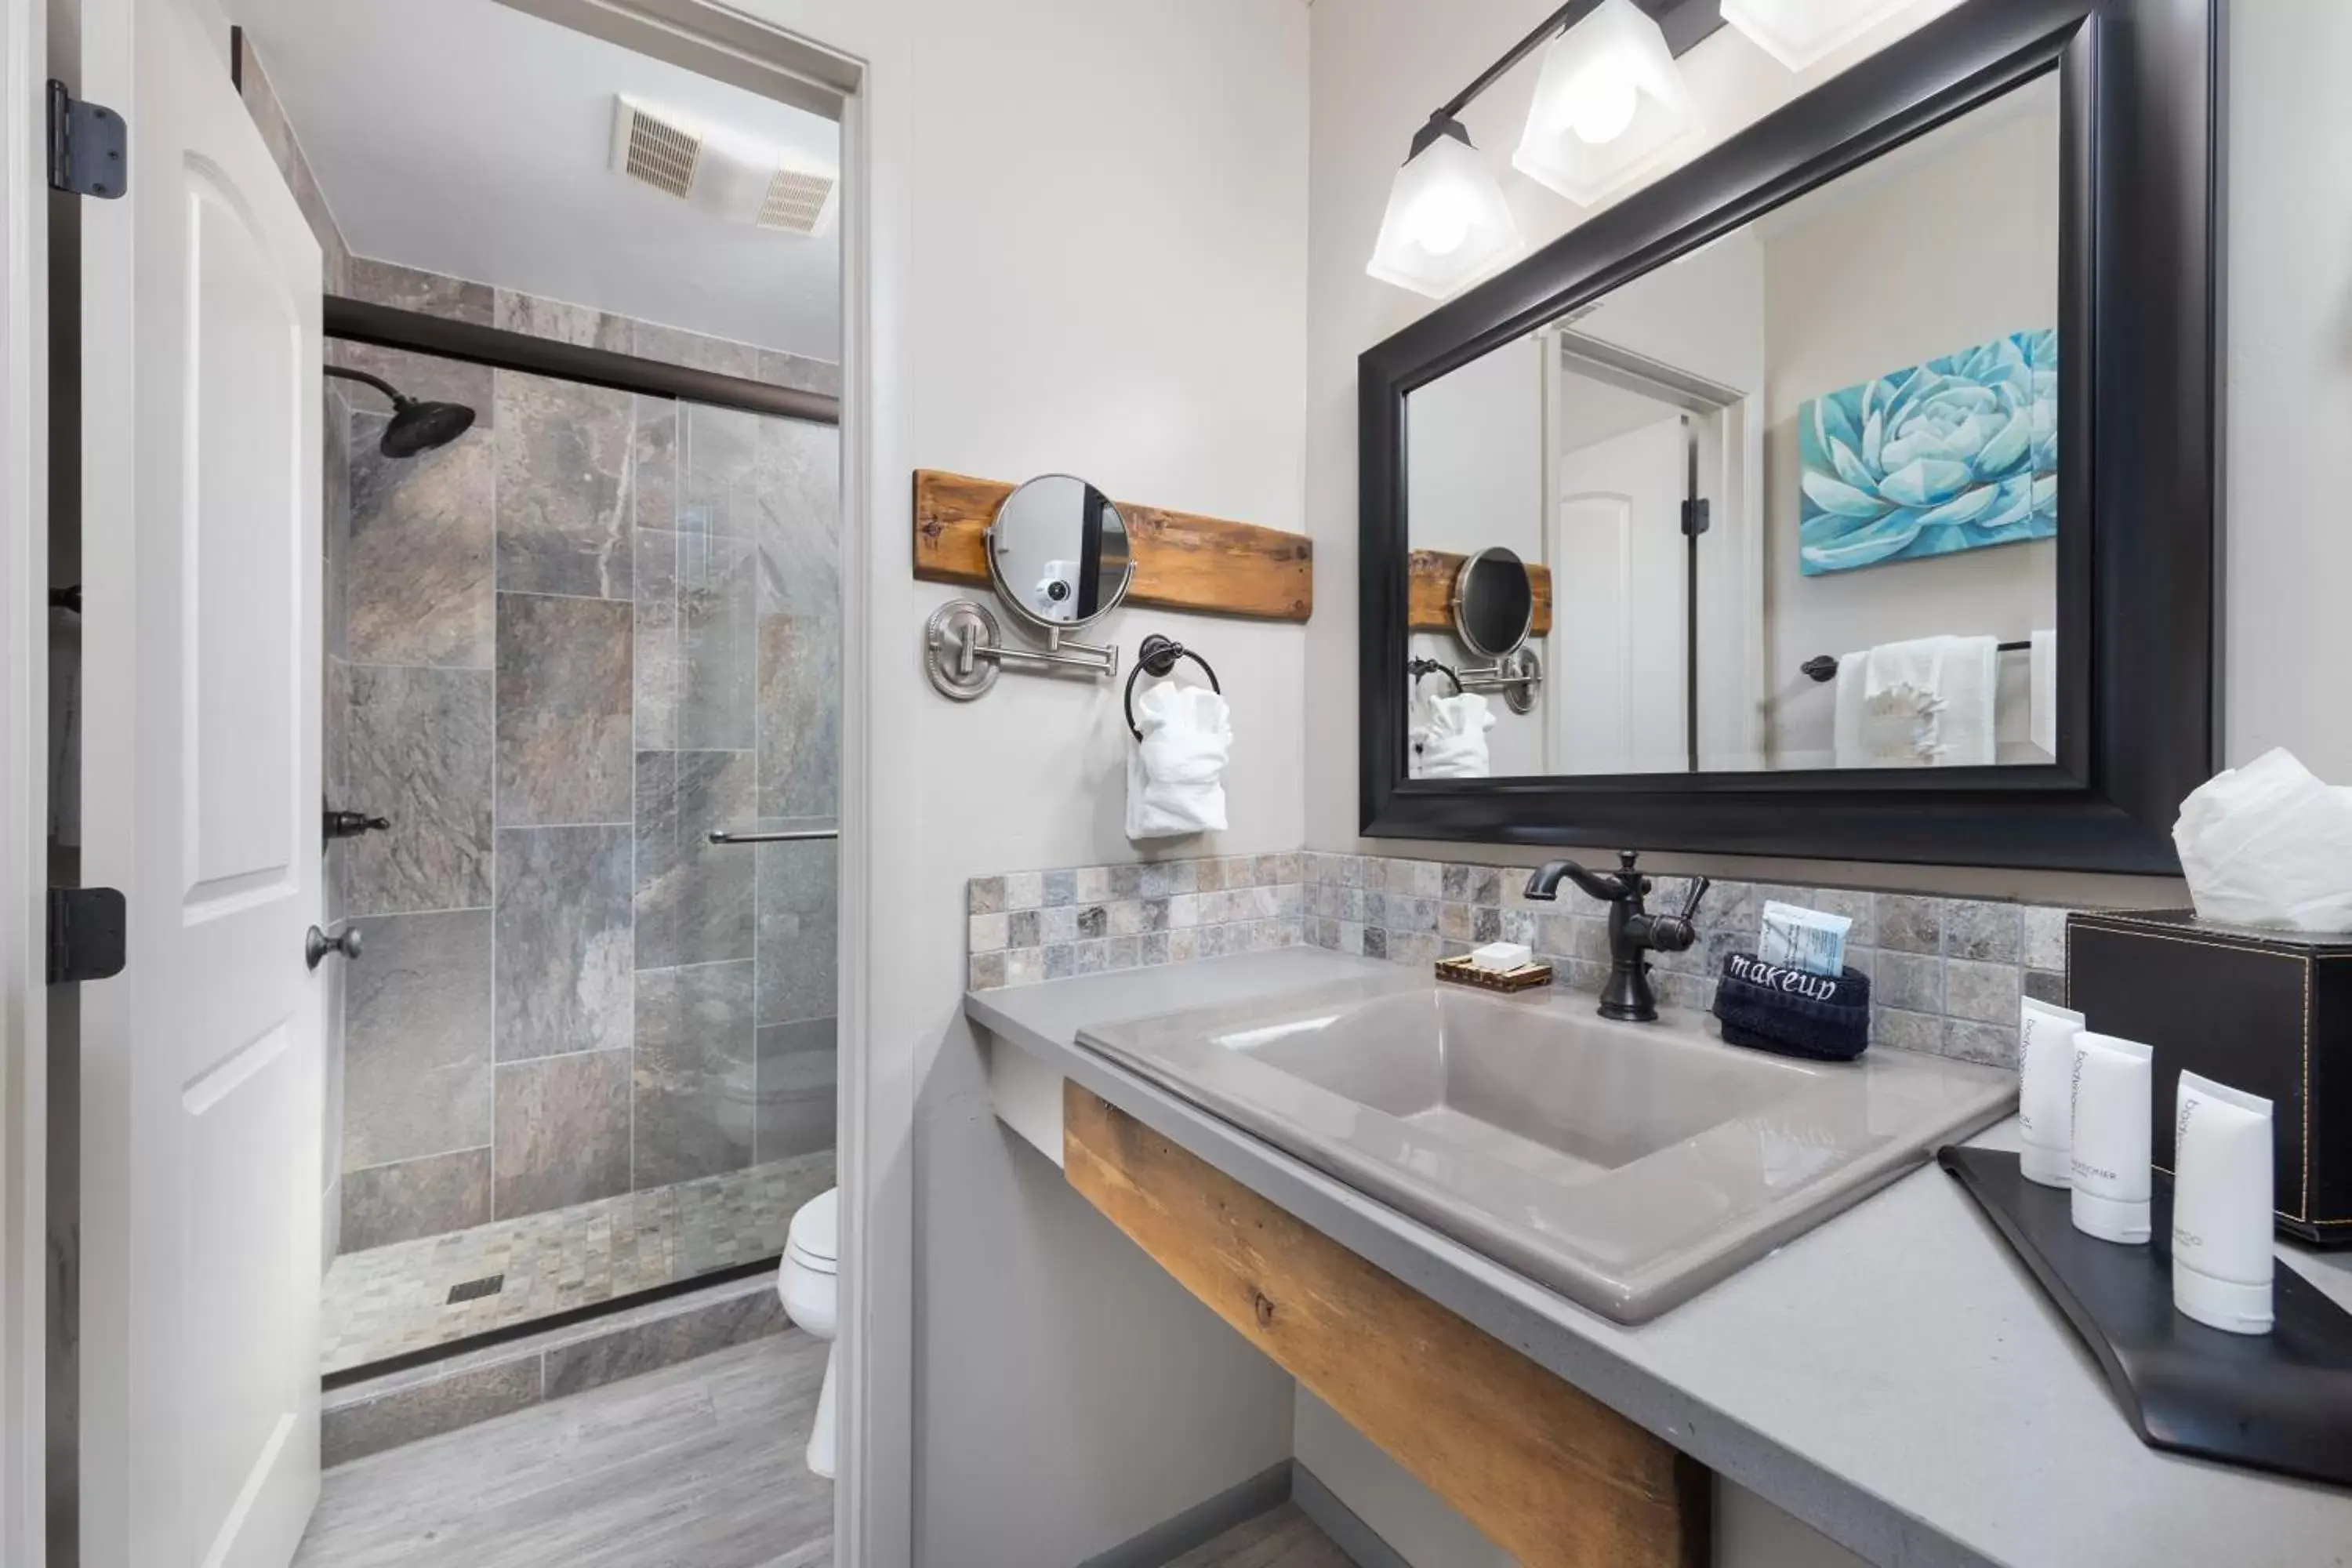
column 1420, row 667
column 1158, row 655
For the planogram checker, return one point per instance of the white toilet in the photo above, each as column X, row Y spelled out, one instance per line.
column 805, row 1280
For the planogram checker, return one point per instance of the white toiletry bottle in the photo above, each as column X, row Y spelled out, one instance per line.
column 2045, row 1091
column 2221, row 1206
column 2111, row 1137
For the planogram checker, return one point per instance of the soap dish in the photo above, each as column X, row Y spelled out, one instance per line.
column 1526, row 977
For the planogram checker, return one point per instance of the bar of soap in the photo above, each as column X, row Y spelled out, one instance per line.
column 1809, row 940
column 1502, row 955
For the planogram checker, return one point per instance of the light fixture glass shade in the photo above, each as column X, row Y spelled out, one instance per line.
column 1798, row 33
column 1610, row 107
column 1447, row 223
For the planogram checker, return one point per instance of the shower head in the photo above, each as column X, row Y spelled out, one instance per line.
column 419, row 426
column 415, row 426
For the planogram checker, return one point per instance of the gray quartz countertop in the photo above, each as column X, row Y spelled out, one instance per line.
column 1893, row 1378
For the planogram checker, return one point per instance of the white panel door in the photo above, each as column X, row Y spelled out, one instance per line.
column 202, row 1077
column 1619, row 650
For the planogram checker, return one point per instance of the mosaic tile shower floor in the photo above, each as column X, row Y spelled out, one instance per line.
column 392, row 1301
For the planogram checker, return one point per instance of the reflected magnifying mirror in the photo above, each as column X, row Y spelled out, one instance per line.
column 1494, row 603
column 1494, row 608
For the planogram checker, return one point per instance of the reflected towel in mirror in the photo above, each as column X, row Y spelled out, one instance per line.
column 1451, row 740
column 1925, row 703
column 1175, row 777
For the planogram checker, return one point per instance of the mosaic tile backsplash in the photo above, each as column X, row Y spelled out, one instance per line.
column 1945, row 973
column 1092, row 920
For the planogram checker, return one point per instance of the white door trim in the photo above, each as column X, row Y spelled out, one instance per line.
column 24, row 796
column 862, row 54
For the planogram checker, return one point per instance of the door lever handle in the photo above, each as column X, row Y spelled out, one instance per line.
column 316, row 944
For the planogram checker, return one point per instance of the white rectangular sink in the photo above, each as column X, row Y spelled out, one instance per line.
column 1627, row 1166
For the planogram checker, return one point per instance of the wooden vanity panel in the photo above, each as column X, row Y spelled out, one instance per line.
column 1182, row 561
column 1549, row 1473
column 1428, row 600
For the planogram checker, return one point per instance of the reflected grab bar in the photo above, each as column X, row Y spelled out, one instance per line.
column 788, row 835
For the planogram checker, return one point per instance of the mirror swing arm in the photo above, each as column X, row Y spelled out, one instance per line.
column 2137, row 531
column 964, row 648
column 1515, row 675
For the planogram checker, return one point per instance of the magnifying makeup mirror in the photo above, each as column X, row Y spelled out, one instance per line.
column 1057, row 553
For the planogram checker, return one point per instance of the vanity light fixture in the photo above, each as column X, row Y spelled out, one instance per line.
column 1446, row 223
column 1798, row 33
column 1608, row 108
column 1608, row 85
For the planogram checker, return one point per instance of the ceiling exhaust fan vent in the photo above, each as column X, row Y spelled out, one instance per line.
column 796, row 201
column 737, row 178
column 646, row 147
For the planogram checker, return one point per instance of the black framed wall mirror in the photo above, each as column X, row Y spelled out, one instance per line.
column 1871, row 463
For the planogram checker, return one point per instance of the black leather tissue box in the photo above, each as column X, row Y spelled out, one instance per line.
column 2264, row 1011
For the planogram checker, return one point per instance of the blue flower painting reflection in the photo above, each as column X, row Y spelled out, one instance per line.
column 1955, row 454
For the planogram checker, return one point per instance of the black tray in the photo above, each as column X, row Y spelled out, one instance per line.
column 2279, row 1402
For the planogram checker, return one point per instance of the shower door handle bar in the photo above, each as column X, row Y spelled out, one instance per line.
column 793, row 835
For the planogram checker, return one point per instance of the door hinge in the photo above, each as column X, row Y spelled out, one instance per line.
column 90, row 147
column 1693, row 518
column 86, row 926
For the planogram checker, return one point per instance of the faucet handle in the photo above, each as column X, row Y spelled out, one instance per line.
column 1636, row 885
column 1698, row 886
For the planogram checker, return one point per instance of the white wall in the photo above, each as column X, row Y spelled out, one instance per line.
column 1379, row 67
column 2287, row 640
column 1086, row 268
column 1703, row 313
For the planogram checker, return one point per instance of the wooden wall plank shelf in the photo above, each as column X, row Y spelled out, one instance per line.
column 1183, row 560
column 1550, row 1474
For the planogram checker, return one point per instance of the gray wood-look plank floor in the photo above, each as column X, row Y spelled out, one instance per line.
column 698, row 1466
column 1280, row 1538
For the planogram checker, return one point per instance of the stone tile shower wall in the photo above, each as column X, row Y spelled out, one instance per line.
column 1945, row 973
column 579, row 637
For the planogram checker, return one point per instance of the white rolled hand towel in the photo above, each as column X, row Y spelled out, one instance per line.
column 1175, row 777
column 1452, row 742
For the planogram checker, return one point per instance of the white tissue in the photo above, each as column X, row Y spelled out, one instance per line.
column 1502, row 955
column 1810, row 939
column 2269, row 844
column 1175, row 777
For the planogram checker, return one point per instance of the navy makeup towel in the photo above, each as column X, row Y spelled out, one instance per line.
column 1789, row 1011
